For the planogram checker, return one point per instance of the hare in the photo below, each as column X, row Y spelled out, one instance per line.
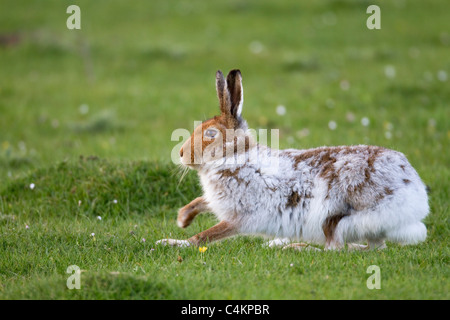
column 329, row 196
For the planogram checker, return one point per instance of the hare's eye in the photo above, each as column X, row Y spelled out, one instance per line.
column 210, row 133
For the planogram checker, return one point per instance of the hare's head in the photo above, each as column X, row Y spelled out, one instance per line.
column 223, row 136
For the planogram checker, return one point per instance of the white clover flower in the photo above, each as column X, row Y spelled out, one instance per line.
column 115, row 201
column 84, row 108
column 442, row 75
column 389, row 71
column 281, row 110
column 332, row 125
column 99, row 218
column 256, row 47
column 92, row 234
column 32, row 185
column 365, row 121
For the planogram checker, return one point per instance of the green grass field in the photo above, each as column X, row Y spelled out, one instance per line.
column 86, row 118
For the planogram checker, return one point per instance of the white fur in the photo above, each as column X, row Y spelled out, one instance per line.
column 358, row 192
column 256, row 197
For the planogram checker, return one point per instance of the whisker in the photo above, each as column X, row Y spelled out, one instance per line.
column 183, row 174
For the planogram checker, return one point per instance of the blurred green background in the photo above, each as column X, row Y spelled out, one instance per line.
column 118, row 87
column 115, row 90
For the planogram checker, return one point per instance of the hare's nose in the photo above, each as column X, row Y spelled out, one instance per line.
column 181, row 152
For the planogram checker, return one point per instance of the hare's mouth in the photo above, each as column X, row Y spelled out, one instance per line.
column 188, row 163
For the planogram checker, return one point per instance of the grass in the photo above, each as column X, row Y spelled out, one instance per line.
column 87, row 117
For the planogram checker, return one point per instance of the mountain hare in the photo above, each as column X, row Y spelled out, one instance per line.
column 327, row 195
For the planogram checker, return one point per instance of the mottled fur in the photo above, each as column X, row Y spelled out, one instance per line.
column 326, row 195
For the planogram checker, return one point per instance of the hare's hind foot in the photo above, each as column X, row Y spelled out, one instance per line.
column 371, row 245
column 301, row 247
column 277, row 242
column 285, row 243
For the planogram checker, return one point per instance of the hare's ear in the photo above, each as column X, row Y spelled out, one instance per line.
column 222, row 93
column 234, row 83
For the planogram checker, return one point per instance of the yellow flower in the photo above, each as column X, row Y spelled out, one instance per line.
column 202, row 249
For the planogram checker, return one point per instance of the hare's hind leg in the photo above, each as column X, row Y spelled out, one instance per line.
column 333, row 239
column 190, row 211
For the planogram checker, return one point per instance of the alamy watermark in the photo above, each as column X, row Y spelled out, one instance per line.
column 74, row 20
column 74, row 281
column 374, row 21
column 374, row 281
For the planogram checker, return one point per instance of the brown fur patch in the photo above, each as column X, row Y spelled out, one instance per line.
column 330, row 224
column 227, row 173
column 406, row 181
column 294, row 199
column 388, row 191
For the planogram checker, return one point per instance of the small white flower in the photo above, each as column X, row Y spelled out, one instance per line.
column 32, row 185
column 115, row 201
column 99, row 218
column 442, row 75
column 291, row 265
column 92, row 234
column 79, row 202
column 365, row 121
column 389, row 71
column 256, row 47
column 332, row 125
column 281, row 110
column 143, row 239
column 27, row 227
column 84, row 108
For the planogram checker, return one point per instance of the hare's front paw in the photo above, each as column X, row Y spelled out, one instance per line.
column 173, row 243
column 186, row 215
